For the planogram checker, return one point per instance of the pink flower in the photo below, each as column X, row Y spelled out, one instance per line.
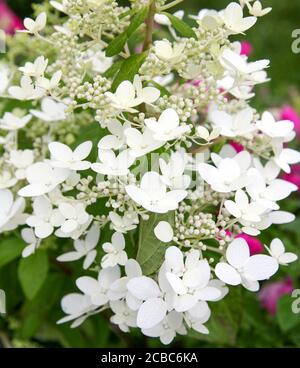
column 272, row 292
column 237, row 146
column 9, row 21
column 289, row 113
column 246, row 48
column 294, row 176
column 254, row 244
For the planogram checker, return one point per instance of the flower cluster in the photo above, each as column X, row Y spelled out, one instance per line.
column 134, row 144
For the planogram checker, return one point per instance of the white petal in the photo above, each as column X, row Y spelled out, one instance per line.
column 227, row 274
column 260, row 267
column 164, row 231
column 152, row 312
column 143, row 288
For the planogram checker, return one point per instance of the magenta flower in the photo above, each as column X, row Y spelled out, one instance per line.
column 289, row 113
column 246, row 48
column 254, row 244
column 9, row 21
column 272, row 292
column 294, row 176
column 237, row 146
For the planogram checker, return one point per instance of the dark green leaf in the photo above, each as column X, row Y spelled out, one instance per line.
column 32, row 273
column 10, row 249
column 225, row 320
column 181, row 27
column 113, row 70
column 287, row 319
column 137, row 20
column 150, row 250
column 129, row 69
column 117, row 44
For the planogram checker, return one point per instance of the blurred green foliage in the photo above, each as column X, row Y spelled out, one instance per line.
column 238, row 321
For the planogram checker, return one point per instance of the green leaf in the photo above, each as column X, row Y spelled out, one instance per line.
column 286, row 318
column 129, row 69
column 113, row 70
column 32, row 272
column 151, row 251
column 36, row 311
column 10, row 249
column 225, row 320
column 181, row 27
column 117, row 45
column 137, row 20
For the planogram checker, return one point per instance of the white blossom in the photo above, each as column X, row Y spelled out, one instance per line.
column 115, row 253
column 243, row 268
column 153, row 195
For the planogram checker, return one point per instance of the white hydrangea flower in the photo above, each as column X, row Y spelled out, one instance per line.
column 141, row 143
column 273, row 129
column 116, row 254
column 35, row 69
column 113, row 165
column 168, row 52
column 42, row 179
column 12, row 122
column 35, row 26
column 33, row 242
column 63, row 157
column 189, row 280
column 153, row 308
column 257, row 10
column 11, row 211
column 153, row 196
column 233, row 125
column 234, row 19
column 44, row 218
column 98, row 289
column 243, row 268
column 74, row 216
column 129, row 95
column 167, row 127
column 123, row 316
column 76, row 306
column 21, row 159
column 229, row 174
column 167, row 329
column 117, row 138
column 173, row 172
column 50, row 110
column 84, row 248
column 277, row 251
column 27, row 90
column 123, row 224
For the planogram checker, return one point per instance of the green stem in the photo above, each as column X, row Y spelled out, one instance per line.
column 149, row 26
column 170, row 5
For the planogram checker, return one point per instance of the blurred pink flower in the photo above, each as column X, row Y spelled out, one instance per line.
column 272, row 292
column 246, row 48
column 294, row 176
column 254, row 244
column 237, row 146
column 289, row 113
column 9, row 21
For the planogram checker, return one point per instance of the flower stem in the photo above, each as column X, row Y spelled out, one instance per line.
column 170, row 5
column 149, row 26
